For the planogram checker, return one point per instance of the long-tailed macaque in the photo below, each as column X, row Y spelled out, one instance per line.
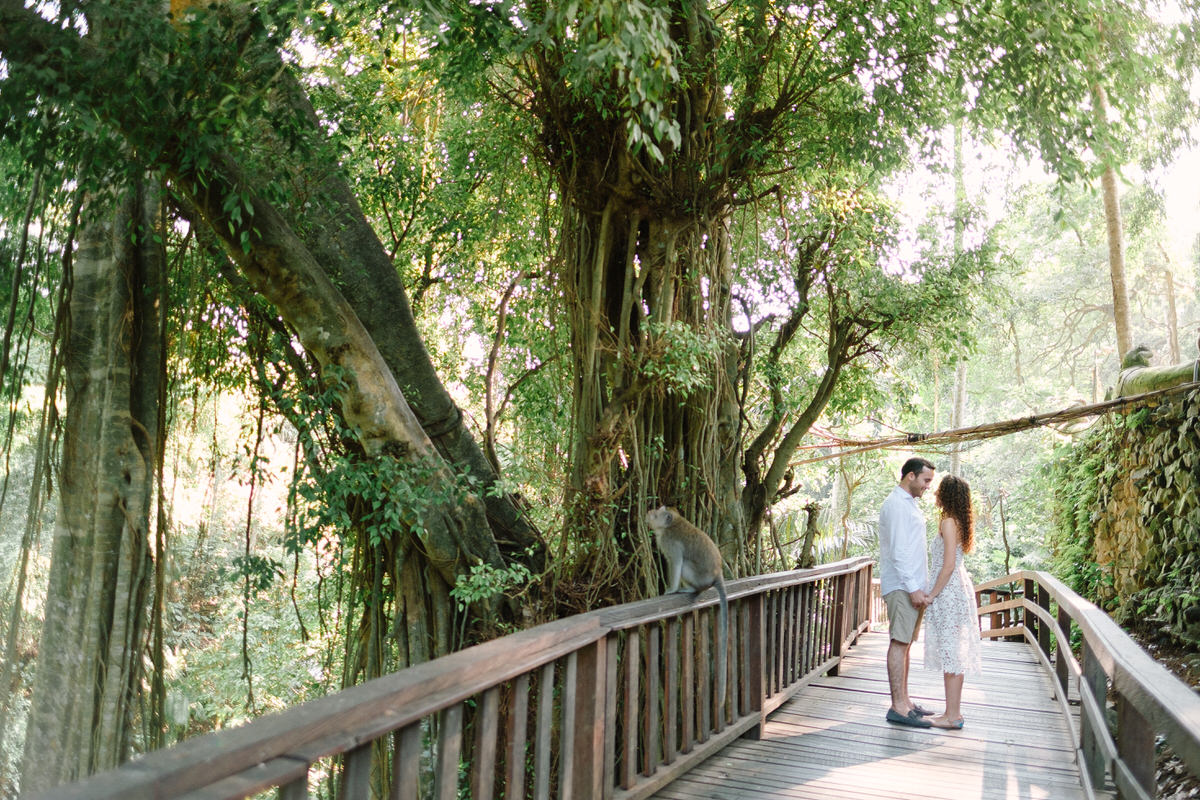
column 693, row 559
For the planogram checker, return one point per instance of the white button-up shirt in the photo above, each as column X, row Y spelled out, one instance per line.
column 902, row 560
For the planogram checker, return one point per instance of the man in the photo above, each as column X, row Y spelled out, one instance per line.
column 903, row 576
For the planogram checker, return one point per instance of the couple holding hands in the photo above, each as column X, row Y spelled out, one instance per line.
column 946, row 601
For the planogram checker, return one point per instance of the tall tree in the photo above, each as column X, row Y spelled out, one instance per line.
column 446, row 514
column 958, row 407
column 324, row 232
column 659, row 121
column 90, row 657
column 847, row 314
column 1080, row 87
column 1110, row 195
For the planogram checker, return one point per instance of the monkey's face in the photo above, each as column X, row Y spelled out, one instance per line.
column 659, row 517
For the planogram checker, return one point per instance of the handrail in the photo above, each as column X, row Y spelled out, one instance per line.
column 614, row 703
column 1149, row 699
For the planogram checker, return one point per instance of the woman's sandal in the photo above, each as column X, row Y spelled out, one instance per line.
column 955, row 725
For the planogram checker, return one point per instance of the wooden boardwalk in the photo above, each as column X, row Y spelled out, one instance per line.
column 831, row 741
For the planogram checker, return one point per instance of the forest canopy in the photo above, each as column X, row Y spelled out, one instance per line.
column 367, row 332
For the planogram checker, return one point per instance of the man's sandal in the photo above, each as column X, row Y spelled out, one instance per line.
column 911, row 719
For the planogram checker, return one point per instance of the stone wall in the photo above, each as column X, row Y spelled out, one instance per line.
column 1128, row 498
column 1121, row 545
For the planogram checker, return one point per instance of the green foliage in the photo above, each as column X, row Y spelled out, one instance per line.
column 259, row 571
column 1037, row 77
column 631, row 41
column 1170, row 511
column 486, row 582
column 385, row 497
column 617, row 58
column 835, row 263
column 205, row 672
column 1076, row 477
column 679, row 358
column 464, row 215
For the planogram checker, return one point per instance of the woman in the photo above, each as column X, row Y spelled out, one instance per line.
column 951, row 626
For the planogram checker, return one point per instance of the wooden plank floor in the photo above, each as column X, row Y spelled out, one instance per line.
column 831, row 741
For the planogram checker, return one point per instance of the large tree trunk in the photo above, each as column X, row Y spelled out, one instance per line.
column 340, row 237
column 90, row 651
column 411, row 616
column 958, row 412
column 1116, row 260
column 1142, row 378
column 654, row 411
column 282, row 269
column 452, row 533
column 645, row 273
column 960, row 226
column 1114, row 226
column 1173, row 353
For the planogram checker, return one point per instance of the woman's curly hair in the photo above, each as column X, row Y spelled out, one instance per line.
column 954, row 498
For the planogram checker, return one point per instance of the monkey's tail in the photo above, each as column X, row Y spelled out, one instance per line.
column 722, row 651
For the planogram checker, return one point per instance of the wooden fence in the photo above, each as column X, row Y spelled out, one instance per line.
column 1111, row 670
column 610, row 704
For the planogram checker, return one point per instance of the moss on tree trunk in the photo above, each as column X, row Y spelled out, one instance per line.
column 90, row 653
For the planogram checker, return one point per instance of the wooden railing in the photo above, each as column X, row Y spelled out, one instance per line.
column 1149, row 701
column 610, row 704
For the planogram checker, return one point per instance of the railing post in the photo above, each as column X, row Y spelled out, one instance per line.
column 671, row 692
column 449, row 751
column 515, row 736
column 839, row 621
column 588, row 732
column 1135, row 745
column 807, row 627
column 1030, row 621
column 687, row 680
column 356, row 780
column 1044, row 628
column 1063, row 651
column 652, row 749
column 612, row 684
column 869, row 577
column 629, row 744
column 755, row 676
column 1095, row 682
column 487, row 735
column 856, row 603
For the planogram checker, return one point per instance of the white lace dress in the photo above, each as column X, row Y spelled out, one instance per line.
column 951, row 627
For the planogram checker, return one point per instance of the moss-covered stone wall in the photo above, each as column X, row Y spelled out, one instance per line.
column 1127, row 515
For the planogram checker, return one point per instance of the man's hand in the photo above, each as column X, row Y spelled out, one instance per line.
column 919, row 598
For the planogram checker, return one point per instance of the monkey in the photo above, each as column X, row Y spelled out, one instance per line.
column 693, row 559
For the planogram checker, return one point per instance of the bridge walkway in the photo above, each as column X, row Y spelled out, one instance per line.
column 831, row 742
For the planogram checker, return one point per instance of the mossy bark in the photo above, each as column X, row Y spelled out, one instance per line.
column 90, row 652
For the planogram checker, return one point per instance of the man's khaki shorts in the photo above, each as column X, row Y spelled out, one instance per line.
column 904, row 617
